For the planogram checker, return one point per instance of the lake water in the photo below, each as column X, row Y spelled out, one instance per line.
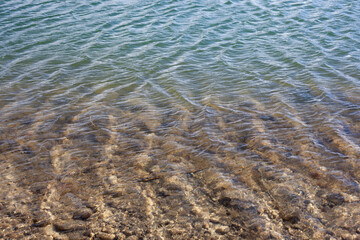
column 204, row 119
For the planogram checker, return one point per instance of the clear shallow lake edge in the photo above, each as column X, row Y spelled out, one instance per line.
column 175, row 119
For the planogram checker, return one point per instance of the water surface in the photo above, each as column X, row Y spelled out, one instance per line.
column 174, row 119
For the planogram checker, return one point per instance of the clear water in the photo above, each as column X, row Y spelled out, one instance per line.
column 174, row 119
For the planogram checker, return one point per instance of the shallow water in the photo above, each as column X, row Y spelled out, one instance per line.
column 180, row 119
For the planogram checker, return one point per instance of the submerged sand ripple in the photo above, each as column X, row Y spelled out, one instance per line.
column 102, row 173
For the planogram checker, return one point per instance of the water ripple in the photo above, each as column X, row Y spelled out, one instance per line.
column 214, row 115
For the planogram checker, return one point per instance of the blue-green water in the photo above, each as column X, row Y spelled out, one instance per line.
column 180, row 119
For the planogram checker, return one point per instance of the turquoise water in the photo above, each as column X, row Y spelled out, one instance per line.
column 180, row 119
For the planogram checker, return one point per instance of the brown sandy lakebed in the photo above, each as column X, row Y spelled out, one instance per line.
column 102, row 173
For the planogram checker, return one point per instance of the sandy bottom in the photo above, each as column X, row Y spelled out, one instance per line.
column 138, row 173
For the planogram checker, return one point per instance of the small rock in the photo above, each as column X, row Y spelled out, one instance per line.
column 91, row 206
column 198, row 226
column 76, row 236
column 82, row 214
column 225, row 201
column 133, row 237
column 108, row 230
column 120, row 236
column 48, row 230
column 222, row 230
column 42, row 223
column 215, row 220
column 88, row 233
column 113, row 180
column 155, row 169
column 42, row 219
column 127, row 233
column 63, row 226
column 105, row 236
column 293, row 219
column 206, row 226
column 335, row 199
column 117, row 194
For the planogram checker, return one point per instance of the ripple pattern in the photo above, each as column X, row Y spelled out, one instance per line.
column 210, row 119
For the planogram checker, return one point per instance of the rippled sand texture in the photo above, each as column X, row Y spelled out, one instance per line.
column 202, row 119
column 211, row 173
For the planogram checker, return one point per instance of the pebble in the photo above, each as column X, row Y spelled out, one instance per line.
column 225, row 201
column 127, row 233
column 82, row 214
column 108, row 230
column 222, row 230
column 63, row 226
column 335, row 199
column 206, row 226
column 113, row 180
column 105, row 236
column 88, row 233
column 133, row 237
column 91, row 206
column 155, row 169
column 76, row 236
column 41, row 220
column 291, row 218
column 41, row 223
column 198, row 226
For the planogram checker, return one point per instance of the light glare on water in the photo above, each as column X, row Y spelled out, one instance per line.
column 179, row 119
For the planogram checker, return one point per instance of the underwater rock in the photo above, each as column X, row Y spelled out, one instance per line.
column 105, row 236
column 42, row 219
column 82, row 214
column 64, row 226
column 335, row 199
